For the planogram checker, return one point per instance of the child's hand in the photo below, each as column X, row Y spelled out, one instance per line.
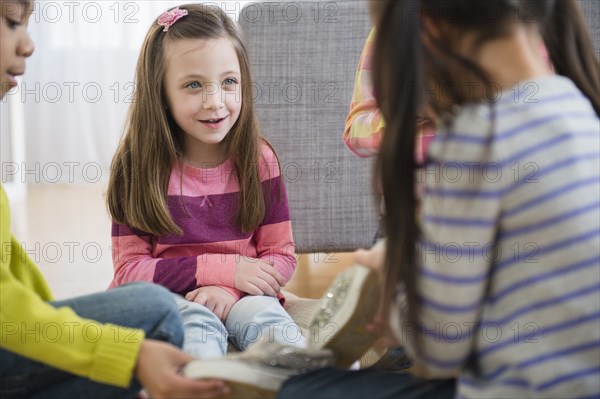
column 215, row 298
column 257, row 277
column 158, row 367
column 374, row 258
column 380, row 326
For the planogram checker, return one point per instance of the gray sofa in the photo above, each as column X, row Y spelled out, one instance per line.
column 304, row 56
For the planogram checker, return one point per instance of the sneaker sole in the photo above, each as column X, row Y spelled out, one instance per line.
column 345, row 333
column 244, row 380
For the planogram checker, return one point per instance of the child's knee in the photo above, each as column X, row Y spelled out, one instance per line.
column 253, row 304
column 199, row 315
column 149, row 296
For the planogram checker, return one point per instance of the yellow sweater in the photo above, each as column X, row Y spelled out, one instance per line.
column 57, row 337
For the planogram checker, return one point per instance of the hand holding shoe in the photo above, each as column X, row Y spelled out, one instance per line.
column 158, row 368
column 374, row 258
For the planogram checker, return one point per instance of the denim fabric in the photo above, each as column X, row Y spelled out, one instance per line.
column 330, row 383
column 205, row 334
column 251, row 319
column 255, row 318
column 139, row 305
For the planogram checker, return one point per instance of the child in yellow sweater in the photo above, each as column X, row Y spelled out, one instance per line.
column 100, row 345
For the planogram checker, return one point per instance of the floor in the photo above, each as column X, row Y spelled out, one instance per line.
column 65, row 229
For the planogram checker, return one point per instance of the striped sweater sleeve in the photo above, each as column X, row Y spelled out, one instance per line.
column 274, row 239
column 133, row 261
column 364, row 123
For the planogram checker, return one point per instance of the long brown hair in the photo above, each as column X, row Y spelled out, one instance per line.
column 404, row 69
column 152, row 142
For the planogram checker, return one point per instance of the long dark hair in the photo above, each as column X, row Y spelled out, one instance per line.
column 404, row 69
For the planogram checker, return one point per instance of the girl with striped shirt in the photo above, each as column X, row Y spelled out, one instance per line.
column 497, row 283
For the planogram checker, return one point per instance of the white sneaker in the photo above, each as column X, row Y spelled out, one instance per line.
column 259, row 371
column 244, row 379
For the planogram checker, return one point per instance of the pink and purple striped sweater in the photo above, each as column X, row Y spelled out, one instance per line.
column 203, row 202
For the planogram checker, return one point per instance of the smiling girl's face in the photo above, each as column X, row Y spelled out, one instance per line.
column 203, row 88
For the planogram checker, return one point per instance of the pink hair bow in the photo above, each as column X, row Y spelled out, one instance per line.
column 168, row 18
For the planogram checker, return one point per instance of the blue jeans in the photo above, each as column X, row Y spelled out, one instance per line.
column 139, row 305
column 251, row 319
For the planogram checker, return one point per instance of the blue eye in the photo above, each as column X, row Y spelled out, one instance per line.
column 193, row 85
column 229, row 81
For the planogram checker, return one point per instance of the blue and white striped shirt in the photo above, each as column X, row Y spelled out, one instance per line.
column 510, row 253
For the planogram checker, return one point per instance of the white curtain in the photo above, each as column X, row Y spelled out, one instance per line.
column 79, row 83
